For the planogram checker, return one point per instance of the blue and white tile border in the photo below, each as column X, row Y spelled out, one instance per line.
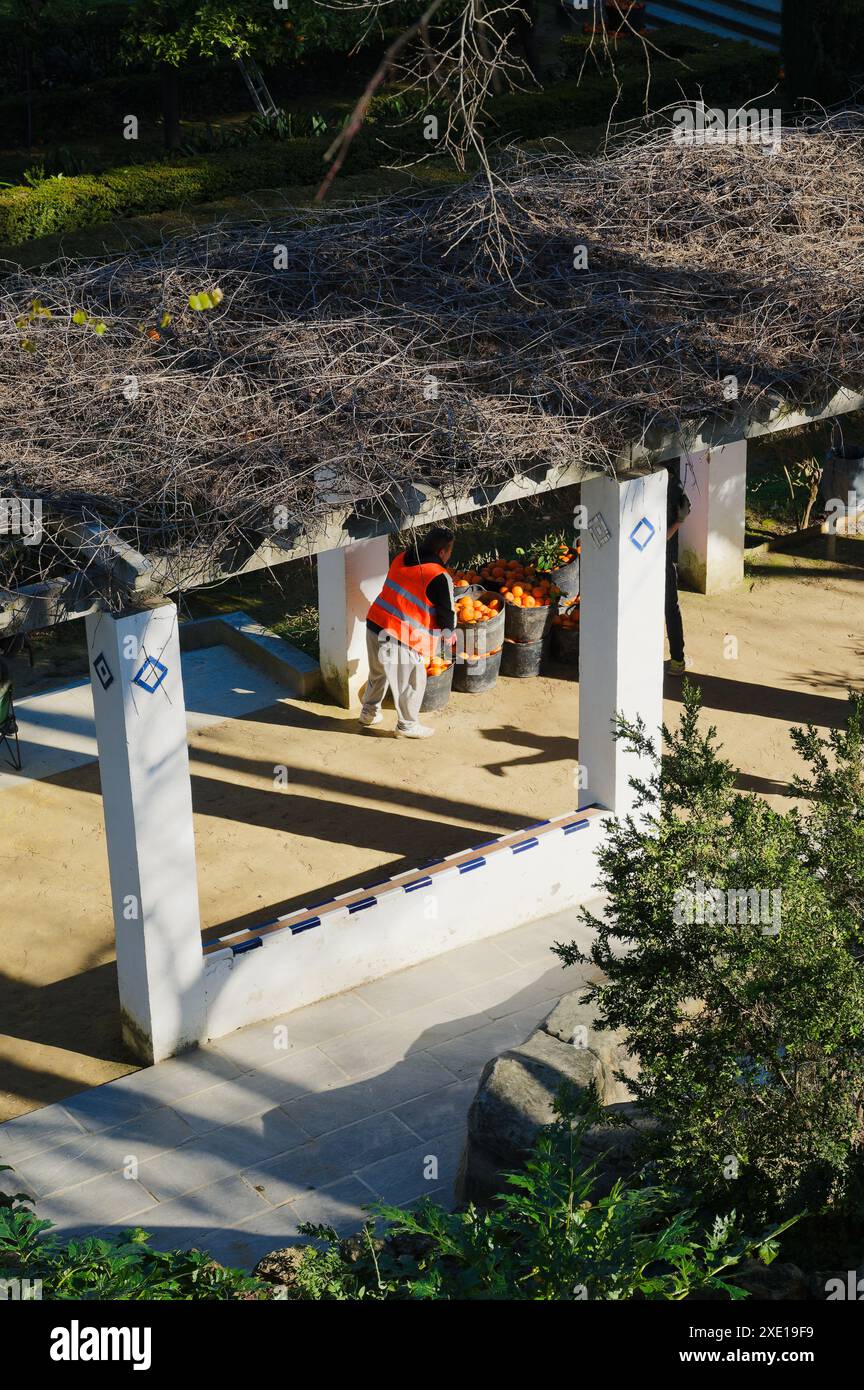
column 336, row 944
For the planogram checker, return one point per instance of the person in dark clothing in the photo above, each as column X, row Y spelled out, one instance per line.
column 677, row 508
column 410, row 618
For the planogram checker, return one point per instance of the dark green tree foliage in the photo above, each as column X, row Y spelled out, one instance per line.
column 751, row 1039
column 823, row 48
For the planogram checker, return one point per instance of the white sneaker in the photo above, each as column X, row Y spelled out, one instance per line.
column 416, row 731
column 367, row 720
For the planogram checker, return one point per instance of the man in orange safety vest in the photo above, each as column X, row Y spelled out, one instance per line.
column 405, row 627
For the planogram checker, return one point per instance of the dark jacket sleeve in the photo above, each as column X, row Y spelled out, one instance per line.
column 440, row 595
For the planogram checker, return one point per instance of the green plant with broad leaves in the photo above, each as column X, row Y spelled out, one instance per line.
column 547, row 1237
column 731, row 944
column 125, row 1268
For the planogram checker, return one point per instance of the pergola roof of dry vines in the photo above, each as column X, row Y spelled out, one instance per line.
column 360, row 350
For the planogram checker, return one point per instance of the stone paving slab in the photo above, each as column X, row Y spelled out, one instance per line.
column 58, row 731
column 311, row 1116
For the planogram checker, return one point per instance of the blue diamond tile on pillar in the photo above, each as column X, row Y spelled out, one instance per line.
column 151, row 675
column 642, row 533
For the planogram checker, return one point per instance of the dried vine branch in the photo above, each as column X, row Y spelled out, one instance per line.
column 358, row 351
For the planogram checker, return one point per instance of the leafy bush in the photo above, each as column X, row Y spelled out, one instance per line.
column 281, row 126
column 127, row 1268
column 65, row 204
column 543, row 1239
column 750, row 1035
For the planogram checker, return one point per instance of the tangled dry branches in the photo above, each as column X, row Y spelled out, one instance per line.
column 358, row 350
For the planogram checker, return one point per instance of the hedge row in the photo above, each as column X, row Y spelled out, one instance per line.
column 206, row 90
column 726, row 73
column 98, row 108
column 62, row 205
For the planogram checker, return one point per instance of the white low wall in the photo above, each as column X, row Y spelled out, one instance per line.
column 330, row 947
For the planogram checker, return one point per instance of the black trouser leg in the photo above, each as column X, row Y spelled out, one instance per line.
column 674, row 623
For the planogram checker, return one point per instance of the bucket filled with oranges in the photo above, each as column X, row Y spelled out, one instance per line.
column 480, row 636
column 527, row 595
column 439, row 683
column 565, row 633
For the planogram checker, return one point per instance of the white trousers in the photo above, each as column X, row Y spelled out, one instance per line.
column 402, row 669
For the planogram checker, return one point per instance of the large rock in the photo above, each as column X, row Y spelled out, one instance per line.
column 777, row 1283
column 280, row 1266
column 516, row 1095
column 576, row 1023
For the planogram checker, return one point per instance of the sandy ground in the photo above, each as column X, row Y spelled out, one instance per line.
column 779, row 651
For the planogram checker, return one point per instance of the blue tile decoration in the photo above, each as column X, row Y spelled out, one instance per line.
column 642, row 534
column 151, row 674
column 417, row 883
column 472, row 864
column 423, row 880
column 306, row 925
column 247, row 946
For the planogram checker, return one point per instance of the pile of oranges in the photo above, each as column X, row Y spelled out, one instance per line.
column 524, row 596
column 462, row 578
column 437, row 666
column 569, row 616
column 473, row 610
column 508, row 572
column 566, row 555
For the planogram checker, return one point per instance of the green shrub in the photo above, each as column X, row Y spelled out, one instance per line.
column 64, row 204
column 750, row 1035
column 724, row 72
column 126, row 1268
column 543, row 1239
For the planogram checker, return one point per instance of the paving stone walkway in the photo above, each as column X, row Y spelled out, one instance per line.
column 307, row 1117
column 57, row 729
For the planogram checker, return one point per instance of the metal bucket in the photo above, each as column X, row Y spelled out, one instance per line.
column 523, row 659
column 473, row 677
column 526, row 624
column 842, row 487
column 565, row 645
column 567, row 578
column 480, row 639
column 437, row 692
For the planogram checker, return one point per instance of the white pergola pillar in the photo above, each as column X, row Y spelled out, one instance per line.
column 147, row 803
column 622, row 587
column 711, row 539
column 349, row 580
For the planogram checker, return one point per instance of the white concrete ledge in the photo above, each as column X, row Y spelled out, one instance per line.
column 332, row 946
column 293, row 668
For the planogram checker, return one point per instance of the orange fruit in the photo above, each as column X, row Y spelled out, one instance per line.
column 517, row 591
